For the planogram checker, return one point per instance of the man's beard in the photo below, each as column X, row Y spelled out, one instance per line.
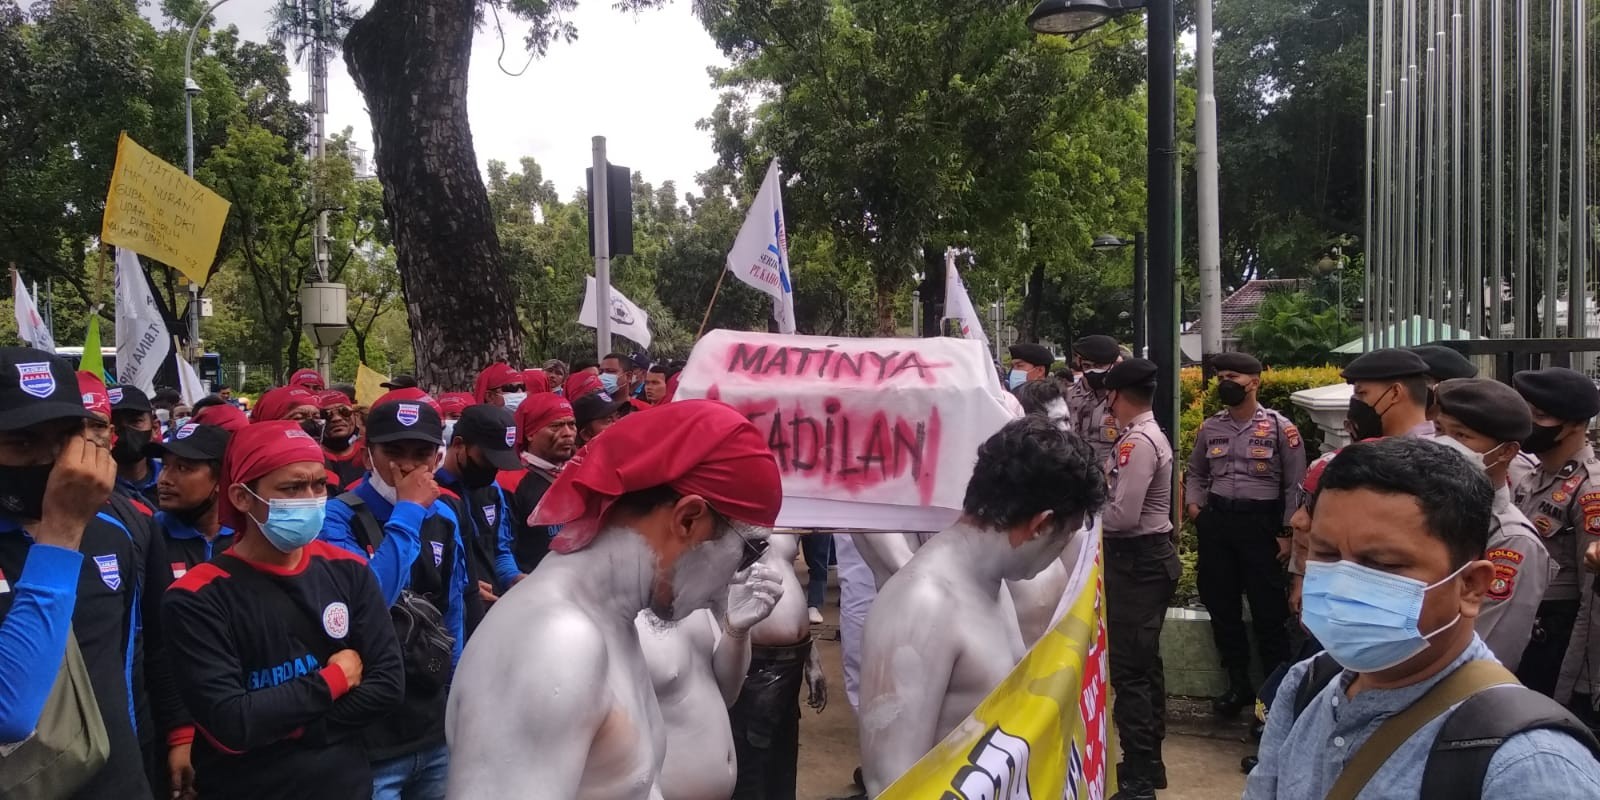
column 698, row 575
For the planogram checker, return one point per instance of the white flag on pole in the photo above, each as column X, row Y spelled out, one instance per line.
column 627, row 320
column 30, row 326
column 142, row 337
column 760, row 256
column 190, row 387
column 957, row 305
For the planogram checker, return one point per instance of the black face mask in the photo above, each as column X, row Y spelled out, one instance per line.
column 1096, row 379
column 1363, row 421
column 312, row 427
column 477, row 476
column 1543, row 439
column 129, row 449
column 22, row 490
column 1231, row 393
column 191, row 516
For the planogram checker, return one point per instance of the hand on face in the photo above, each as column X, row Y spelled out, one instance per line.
column 80, row 483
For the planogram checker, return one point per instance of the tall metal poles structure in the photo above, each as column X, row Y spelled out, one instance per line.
column 190, row 89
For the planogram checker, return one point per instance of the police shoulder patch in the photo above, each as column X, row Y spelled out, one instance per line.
column 1504, row 582
column 1124, row 452
column 1291, row 434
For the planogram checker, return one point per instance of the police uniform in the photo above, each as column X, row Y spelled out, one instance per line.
column 1390, row 366
column 1245, row 476
column 1142, row 571
column 1086, row 402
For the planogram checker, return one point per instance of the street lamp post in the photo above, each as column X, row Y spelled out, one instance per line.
column 190, row 89
column 1106, row 242
column 1068, row 17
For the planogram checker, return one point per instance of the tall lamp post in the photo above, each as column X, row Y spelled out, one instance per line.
column 190, row 89
column 1106, row 242
column 1069, row 17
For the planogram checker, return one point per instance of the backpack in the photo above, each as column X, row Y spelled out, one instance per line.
column 1471, row 733
column 426, row 646
column 69, row 743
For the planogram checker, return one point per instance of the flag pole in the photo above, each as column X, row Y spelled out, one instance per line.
column 723, row 273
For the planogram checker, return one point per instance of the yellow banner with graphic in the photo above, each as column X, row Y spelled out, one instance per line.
column 1042, row 733
column 155, row 210
column 369, row 384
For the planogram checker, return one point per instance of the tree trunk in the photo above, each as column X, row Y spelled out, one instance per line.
column 884, row 286
column 409, row 58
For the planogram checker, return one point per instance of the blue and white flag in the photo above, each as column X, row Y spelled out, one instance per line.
column 142, row 338
column 760, row 256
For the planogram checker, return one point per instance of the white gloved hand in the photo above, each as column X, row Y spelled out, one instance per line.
column 751, row 598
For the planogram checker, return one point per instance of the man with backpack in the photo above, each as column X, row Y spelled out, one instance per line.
column 1408, row 702
column 396, row 517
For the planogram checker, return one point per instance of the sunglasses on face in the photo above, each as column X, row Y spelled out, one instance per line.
column 342, row 412
column 754, row 549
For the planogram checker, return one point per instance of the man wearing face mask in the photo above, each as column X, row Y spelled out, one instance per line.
column 1390, row 395
column 1030, row 491
column 1029, row 362
column 500, row 385
column 547, row 433
column 1142, row 570
column 1086, row 399
column 1444, row 364
column 1562, row 498
column 1395, row 581
column 413, row 540
column 481, row 444
column 282, row 645
column 615, row 375
column 595, row 412
column 1242, row 489
column 133, row 423
column 659, row 513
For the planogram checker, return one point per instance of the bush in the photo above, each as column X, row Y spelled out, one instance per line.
column 1277, row 385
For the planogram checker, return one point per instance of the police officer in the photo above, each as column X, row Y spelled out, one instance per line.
column 1444, row 364
column 1561, row 499
column 1242, row 487
column 1142, row 570
column 1390, row 395
column 1490, row 420
column 1029, row 362
column 1086, row 400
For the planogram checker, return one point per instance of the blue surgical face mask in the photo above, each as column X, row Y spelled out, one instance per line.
column 292, row 522
column 1016, row 378
column 1366, row 618
column 609, row 381
column 513, row 399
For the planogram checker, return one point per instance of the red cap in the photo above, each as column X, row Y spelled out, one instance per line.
column 535, row 380
column 94, row 395
column 411, row 395
column 1313, row 476
column 307, row 378
column 332, row 398
column 454, row 403
column 538, row 411
column 700, row 447
column 494, row 376
column 226, row 416
column 277, row 404
column 258, row 449
column 580, row 384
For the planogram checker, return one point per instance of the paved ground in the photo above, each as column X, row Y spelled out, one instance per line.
column 1202, row 755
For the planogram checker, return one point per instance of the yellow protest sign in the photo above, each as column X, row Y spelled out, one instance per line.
column 369, row 385
column 1042, row 733
column 155, row 210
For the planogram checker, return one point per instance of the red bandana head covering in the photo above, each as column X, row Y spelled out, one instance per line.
column 538, row 411
column 307, row 379
column 494, row 376
column 94, row 395
column 226, row 416
column 581, row 383
column 1313, row 476
column 332, row 398
column 454, row 403
column 411, row 395
column 535, row 380
column 258, row 449
column 699, row 447
column 277, row 404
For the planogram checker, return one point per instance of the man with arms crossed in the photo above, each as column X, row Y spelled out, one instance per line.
column 552, row 698
column 1030, row 491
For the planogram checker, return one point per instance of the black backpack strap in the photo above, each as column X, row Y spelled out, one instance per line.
column 368, row 532
column 1473, row 732
column 302, row 622
column 1322, row 672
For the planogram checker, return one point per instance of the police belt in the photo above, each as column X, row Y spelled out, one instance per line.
column 1132, row 545
column 1228, row 505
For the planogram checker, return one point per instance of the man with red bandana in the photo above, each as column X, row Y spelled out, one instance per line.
column 500, row 385
column 658, row 514
column 340, row 447
column 308, row 379
column 293, row 403
column 546, row 438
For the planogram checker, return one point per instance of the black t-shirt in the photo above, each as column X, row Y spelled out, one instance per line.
column 274, row 719
column 531, row 543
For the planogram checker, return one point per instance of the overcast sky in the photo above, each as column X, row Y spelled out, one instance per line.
column 639, row 81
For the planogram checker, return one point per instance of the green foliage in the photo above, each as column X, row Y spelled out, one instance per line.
column 1277, row 386
column 1295, row 329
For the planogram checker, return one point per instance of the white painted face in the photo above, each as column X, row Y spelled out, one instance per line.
column 1033, row 556
column 704, row 571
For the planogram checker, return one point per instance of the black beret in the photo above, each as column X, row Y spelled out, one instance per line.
column 1560, row 392
column 1133, row 372
column 1486, row 406
column 1385, row 364
column 1445, row 364
column 1035, row 354
column 1097, row 349
column 1242, row 363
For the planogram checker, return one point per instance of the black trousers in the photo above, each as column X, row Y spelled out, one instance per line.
column 766, row 722
column 1552, row 630
column 1239, row 557
column 1141, row 576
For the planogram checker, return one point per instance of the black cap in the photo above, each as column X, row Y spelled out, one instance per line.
column 1445, row 364
column 405, row 421
column 36, row 387
column 400, row 382
column 493, row 430
column 128, row 398
column 1486, row 406
column 1560, row 392
column 1035, row 354
column 1133, row 372
column 593, row 406
column 1097, row 349
column 1385, row 364
column 1242, row 363
column 193, row 441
